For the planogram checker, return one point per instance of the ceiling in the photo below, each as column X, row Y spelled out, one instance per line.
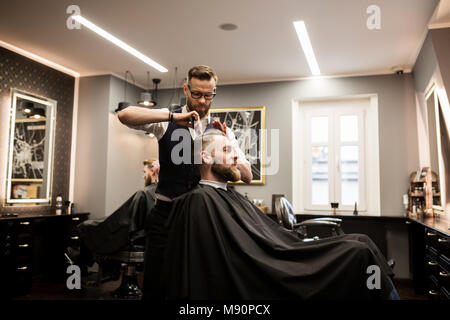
column 185, row 33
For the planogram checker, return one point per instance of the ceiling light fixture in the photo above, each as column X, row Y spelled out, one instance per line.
column 156, row 81
column 146, row 97
column 37, row 113
column 88, row 24
column 27, row 107
column 303, row 37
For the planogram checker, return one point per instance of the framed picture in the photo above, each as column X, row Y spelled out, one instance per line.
column 248, row 125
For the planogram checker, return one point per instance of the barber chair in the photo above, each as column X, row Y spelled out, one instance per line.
column 286, row 218
column 131, row 258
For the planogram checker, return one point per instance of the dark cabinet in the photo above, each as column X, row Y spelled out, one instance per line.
column 16, row 259
column 34, row 247
column 430, row 258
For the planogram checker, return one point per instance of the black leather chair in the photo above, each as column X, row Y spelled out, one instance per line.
column 286, row 218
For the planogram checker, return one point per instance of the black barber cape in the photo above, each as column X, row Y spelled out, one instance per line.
column 126, row 223
column 220, row 246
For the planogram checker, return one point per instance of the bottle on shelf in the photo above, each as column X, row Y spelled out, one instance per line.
column 59, row 204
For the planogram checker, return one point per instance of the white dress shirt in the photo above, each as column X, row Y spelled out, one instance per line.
column 159, row 128
column 215, row 184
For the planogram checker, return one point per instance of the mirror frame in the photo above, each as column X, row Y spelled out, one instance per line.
column 50, row 116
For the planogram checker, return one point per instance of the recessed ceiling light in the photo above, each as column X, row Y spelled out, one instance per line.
column 85, row 22
column 303, row 37
column 228, row 26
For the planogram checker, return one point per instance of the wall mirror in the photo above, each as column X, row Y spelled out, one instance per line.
column 30, row 152
column 434, row 140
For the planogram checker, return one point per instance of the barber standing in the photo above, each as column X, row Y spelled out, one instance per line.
column 176, row 178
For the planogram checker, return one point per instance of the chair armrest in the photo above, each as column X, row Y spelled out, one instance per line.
column 336, row 220
column 313, row 222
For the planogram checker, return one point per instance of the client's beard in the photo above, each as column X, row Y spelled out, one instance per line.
column 226, row 172
column 148, row 181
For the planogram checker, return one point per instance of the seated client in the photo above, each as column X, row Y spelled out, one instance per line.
column 220, row 246
column 124, row 225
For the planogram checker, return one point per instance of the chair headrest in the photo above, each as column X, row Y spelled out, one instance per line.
column 285, row 213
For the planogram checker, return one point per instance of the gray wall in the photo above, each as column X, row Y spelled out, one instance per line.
column 127, row 148
column 108, row 167
column 92, row 134
column 426, row 66
column 397, row 127
column 441, row 44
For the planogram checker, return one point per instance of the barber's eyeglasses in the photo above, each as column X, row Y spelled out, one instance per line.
column 198, row 94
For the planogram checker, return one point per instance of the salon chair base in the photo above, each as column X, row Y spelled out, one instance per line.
column 129, row 288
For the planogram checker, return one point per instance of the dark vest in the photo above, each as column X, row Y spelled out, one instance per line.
column 175, row 179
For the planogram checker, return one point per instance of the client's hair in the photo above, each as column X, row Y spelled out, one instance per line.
column 205, row 140
column 149, row 162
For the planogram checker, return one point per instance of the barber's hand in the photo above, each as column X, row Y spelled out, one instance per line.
column 184, row 119
column 220, row 126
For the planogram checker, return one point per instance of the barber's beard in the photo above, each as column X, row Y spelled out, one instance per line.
column 201, row 108
column 225, row 172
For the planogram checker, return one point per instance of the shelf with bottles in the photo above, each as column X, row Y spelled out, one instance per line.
column 418, row 203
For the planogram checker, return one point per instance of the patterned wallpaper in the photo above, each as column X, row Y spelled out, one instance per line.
column 21, row 73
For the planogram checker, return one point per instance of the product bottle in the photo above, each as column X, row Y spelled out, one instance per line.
column 59, row 204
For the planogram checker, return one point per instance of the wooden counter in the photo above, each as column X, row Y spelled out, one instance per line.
column 440, row 224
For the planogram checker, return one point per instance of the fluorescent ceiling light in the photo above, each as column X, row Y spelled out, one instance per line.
column 119, row 43
column 302, row 34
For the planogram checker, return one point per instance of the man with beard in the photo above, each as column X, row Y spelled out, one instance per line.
column 112, row 234
column 176, row 177
column 220, row 246
column 151, row 172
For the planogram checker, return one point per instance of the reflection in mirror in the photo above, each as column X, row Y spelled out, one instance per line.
column 432, row 106
column 30, row 154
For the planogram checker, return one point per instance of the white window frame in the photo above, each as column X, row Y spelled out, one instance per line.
column 368, row 183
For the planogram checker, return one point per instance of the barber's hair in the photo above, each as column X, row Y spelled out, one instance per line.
column 201, row 72
column 149, row 162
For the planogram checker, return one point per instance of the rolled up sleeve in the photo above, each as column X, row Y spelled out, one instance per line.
column 157, row 128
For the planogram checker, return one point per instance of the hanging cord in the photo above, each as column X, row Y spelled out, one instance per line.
column 126, row 82
column 174, row 88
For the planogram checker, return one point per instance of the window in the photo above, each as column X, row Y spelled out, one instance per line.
column 332, row 137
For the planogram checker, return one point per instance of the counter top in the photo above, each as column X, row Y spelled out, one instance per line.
column 350, row 216
column 21, row 216
column 440, row 224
